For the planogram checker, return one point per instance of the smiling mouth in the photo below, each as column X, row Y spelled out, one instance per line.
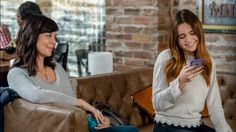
column 189, row 45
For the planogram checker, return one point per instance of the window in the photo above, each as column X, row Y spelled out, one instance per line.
column 81, row 23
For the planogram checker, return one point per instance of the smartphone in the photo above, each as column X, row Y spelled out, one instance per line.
column 197, row 62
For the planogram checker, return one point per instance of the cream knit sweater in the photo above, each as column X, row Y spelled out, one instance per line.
column 182, row 108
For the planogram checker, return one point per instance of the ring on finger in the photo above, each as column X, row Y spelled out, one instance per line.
column 98, row 111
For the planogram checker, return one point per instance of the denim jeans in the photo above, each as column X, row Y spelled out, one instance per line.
column 92, row 123
column 127, row 128
column 163, row 127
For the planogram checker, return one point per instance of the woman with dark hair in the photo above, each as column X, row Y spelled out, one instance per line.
column 25, row 10
column 36, row 77
column 184, row 78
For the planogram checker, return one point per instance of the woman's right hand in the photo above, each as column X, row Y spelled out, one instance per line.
column 104, row 124
column 101, row 120
column 98, row 116
column 96, row 113
column 187, row 73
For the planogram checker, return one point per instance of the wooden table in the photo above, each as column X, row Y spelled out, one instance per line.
column 4, row 67
column 5, row 60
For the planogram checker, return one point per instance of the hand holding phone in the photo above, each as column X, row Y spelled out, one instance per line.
column 197, row 62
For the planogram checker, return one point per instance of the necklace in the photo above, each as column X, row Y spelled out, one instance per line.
column 44, row 74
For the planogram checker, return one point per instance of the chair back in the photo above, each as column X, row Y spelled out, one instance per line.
column 61, row 54
column 82, row 54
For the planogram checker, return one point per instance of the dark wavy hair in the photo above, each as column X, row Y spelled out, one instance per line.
column 26, row 41
column 28, row 8
column 175, row 64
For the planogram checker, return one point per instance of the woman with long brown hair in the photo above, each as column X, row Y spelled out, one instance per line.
column 184, row 79
column 36, row 77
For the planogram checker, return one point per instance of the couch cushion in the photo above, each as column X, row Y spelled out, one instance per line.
column 207, row 121
column 227, row 88
column 143, row 98
column 115, row 90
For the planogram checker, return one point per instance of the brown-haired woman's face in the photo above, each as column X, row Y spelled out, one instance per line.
column 46, row 43
column 19, row 19
column 187, row 38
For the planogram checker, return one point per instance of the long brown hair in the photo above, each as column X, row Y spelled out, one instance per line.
column 26, row 42
column 175, row 64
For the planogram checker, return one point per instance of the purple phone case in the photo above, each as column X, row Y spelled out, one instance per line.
column 196, row 62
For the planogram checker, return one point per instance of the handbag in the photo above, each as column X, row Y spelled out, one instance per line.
column 108, row 112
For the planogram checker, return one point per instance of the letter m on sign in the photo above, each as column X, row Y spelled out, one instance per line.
column 215, row 9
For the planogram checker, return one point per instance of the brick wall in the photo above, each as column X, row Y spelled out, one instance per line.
column 222, row 47
column 136, row 31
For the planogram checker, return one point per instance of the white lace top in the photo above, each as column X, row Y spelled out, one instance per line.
column 182, row 108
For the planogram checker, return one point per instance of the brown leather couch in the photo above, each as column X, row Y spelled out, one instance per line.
column 113, row 89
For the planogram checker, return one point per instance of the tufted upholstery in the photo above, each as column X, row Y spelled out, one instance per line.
column 227, row 86
column 115, row 90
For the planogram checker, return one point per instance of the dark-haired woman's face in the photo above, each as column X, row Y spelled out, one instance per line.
column 46, row 43
column 187, row 38
column 19, row 19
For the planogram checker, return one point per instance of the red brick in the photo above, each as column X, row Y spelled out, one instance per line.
column 112, row 11
column 149, row 46
column 110, row 19
column 113, row 44
column 134, row 3
column 128, row 54
column 189, row 2
column 113, row 28
column 122, row 67
column 162, row 46
column 150, row 30
column 134, row 62
column 130, row 11
column 176, row 2
column 222, row 48
column 142, row 54
column 230, row 37
column 164, row 26
column 163, row 20
column 230, row 58
column 216, row 57
column 211, row 37
column 109, row 36
column 108, row 2
column 149, row 12
column 141, row 38
column 133, row 45
column 123, row 20
column 145, row 20
column 123, row 36
column 223, row 67
column 118, row 53
column 149, row 63
column 132, row 29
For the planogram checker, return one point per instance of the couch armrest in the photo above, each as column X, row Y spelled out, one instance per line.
column 24, row 116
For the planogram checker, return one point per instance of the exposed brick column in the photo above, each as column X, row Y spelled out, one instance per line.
column 133, row 33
